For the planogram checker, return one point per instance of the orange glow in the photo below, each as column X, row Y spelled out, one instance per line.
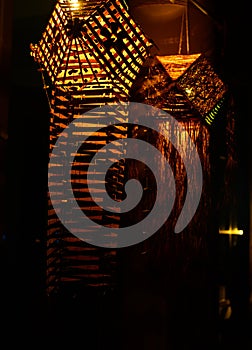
column 79, row 55
column 74, row 4
column 176, row 65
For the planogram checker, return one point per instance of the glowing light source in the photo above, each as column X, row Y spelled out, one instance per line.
column 89, row 55
column 92, row 50
column 74, row 4
column 233, row 231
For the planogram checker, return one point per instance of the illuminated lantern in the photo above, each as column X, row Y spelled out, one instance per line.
column 194, row 75
column 196, row 78
column 89, row 55
column 92, row 45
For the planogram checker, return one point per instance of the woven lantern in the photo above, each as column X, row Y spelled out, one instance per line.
column 196, row 78
column 194, row 75
column 89, row 55
column 93, row 47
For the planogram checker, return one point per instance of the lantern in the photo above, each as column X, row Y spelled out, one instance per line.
column 89, row 55
column 195, row 77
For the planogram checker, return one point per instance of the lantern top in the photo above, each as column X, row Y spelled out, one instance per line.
column 79, row 8
column 86, row 43
column 176, row 65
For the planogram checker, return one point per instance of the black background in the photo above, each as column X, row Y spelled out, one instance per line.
column 24, row 249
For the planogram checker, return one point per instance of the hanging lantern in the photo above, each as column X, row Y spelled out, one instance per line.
column 89, row 55
column 196, row 78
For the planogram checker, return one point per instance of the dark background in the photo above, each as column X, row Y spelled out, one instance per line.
column 25, row 151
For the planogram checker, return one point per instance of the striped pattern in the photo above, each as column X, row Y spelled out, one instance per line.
column 69, row 259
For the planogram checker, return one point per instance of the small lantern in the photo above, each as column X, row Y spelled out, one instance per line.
column 196, row 78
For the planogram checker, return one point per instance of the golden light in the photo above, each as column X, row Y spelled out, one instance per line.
column 74, row 4
column 97, row 51
column 176, row 65
column 234, row 231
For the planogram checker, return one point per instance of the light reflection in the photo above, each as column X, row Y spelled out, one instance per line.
column 233, row 231
column 74, row 4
